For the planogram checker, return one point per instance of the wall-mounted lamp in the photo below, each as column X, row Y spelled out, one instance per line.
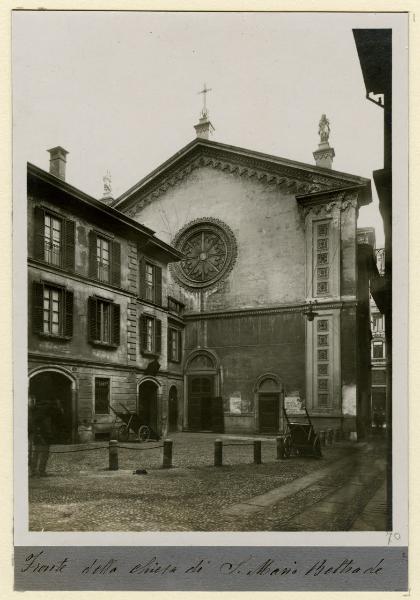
column 310, row 314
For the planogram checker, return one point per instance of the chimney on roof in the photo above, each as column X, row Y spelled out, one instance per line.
column 325, row 154
column 58, row 162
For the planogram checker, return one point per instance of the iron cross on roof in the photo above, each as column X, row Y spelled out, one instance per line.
column 204, row 91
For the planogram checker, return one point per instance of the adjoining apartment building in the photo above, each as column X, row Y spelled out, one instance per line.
column 102, row 330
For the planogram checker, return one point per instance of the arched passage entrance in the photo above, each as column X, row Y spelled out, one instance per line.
column 55, row 391
column 147, row 404
column 173, row 409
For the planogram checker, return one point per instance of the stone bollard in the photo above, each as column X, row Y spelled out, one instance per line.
column 167, row 454
column 280, row 447
column 257, row 452
column 113, row 455
column 218, row 453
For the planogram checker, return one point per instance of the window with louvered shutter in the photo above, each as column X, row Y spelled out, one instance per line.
column 174, row 344
column 158, row 336
column 37, row 306
column 52, row 310
column 68, row 313
column 116, row 263
column 69, row 245
column 38, row 233
column 103, row 322
column 150, row 287
column 92, row 320
column 142, row 278
column 115, row 324
column 93, row 263
column 150, row 335
column 143, row 333
column 158, row 285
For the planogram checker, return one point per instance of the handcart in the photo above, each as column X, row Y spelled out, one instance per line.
column 130, row 422
column 300, row 438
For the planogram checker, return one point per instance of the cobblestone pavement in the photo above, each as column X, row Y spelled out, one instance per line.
column 82, row 495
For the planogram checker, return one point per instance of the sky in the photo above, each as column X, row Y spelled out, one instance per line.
column 119, row 90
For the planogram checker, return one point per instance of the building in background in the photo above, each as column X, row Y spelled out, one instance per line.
column 377, row 359
column 379, row 355
column 102, row 329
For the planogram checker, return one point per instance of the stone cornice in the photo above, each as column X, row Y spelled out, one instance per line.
column 325, row 203
column 256, row 312
column 293, row 176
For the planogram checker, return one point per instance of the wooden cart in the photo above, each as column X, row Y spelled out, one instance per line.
column 301, row 438
column 130, row 421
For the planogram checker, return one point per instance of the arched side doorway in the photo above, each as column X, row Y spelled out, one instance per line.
column 269, row 401
column 204, row 405
column 55, row 392
column 147, row 404
column 173, row 409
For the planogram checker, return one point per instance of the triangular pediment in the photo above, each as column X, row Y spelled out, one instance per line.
column 298, row 178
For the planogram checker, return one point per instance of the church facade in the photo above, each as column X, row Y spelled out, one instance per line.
column 271, row 280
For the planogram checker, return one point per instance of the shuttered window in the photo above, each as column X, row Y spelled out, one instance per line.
column 104, row 259
column 150, row 282
column 52, row 313
column 103, row 322
column 174, row 344
column 150, row 334
column 102, row 388
column 54, row 239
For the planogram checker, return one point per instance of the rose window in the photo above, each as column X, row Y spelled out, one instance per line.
column 209, row 249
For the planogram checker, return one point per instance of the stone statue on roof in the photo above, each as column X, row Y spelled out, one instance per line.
column 107, row 184
column 324, row 129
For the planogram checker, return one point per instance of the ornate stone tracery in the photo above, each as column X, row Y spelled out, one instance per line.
column 210, row 251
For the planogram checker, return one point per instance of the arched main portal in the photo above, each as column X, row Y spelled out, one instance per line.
column 147, row 404
column 269, row 392
column 205, row 407
column 173, row 409
column 54, row 391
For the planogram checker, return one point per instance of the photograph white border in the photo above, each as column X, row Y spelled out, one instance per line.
column 399, row 23
column 6, row 451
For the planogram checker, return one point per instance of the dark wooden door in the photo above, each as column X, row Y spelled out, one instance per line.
column 147, row 407
column 200, row 395
column 268, row 412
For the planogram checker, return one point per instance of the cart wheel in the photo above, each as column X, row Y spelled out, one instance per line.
column 317, row 447
column 144, row 433
column 287, row 447
column 123, row 433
